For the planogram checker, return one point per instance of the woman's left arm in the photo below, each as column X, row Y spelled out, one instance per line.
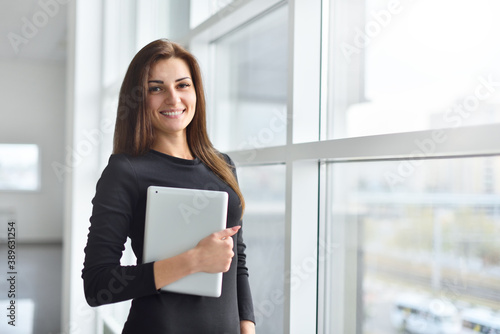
column 245, row 303
column 247, row 324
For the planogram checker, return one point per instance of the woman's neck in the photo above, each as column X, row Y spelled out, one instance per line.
column 174, row 146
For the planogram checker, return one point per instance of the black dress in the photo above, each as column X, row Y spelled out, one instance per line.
column 119, row 212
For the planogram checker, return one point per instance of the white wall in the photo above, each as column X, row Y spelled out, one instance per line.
column 32, row 111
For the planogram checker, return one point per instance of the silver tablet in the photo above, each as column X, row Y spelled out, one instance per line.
column 176, row 220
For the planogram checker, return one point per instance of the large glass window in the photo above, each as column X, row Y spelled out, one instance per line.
column 264, row 233
column 250, row 84
column 417, row 251
column 398, row 66
column 19, row 167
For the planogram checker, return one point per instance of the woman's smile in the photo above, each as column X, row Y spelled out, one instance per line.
column 172, row 113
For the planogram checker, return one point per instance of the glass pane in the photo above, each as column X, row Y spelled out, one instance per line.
column 19, row 167
column 201, row 10
column 250, row 85
column 119, row 27
column 400, row 66
column 416, row 246
column 264, row 233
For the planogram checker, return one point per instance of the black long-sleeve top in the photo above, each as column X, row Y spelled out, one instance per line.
column 119, row 212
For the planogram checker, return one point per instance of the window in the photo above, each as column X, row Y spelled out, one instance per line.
column 432, row 238
column 264, row 233
column 402, row 66
column 401, row 88
column 19, row 167
column 250, row 88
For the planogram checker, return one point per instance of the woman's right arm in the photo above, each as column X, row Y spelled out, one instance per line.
column 105, row 279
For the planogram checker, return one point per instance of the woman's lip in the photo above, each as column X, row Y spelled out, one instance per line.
column 172, row 112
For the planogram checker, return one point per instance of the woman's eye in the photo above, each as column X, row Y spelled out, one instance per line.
column 154, row 89
column 184, row 85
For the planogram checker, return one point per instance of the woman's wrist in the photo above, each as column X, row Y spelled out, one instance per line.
column 172, row 269
column 247, row 327
column 191, row 259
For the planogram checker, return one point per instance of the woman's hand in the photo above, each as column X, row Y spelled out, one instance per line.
column 214, row 253
column 247, row 327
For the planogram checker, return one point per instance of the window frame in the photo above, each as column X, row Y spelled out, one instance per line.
column 307, row 151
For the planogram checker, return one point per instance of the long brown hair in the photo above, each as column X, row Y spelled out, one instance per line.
column 134, row 132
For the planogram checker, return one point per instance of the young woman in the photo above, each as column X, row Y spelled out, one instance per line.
column 161, row 139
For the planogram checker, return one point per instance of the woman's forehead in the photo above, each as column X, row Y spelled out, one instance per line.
column 169, row 69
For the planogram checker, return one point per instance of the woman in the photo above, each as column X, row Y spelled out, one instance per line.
column 161, row 139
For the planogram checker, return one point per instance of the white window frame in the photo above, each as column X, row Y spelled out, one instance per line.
column 306, row 149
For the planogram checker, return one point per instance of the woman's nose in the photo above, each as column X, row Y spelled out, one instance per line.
column 172, row 97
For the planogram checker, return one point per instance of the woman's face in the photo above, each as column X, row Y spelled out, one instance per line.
column 171, row 97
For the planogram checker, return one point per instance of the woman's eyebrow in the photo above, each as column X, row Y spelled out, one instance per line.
column 161, row 81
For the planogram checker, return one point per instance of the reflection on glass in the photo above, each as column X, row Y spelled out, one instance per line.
column 264, row 227
column 19, row 167
column 250, row 85
column 400, row 66
column 425, row 249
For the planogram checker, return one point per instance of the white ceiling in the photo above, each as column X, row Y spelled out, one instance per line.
column 41, row 30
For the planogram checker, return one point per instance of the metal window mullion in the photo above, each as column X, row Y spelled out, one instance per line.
column 301, row 214
column 324, row 251
column 324, row 68
column 480, row 140
column 288, row 174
